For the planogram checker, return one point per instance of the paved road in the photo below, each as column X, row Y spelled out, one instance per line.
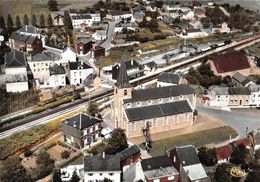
column 237, row 120
column 110, row 35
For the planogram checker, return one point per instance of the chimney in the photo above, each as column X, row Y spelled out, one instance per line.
column 96, row 115
column 103, row 155
column 26, row 28
column 132, row 62
column 74, row 124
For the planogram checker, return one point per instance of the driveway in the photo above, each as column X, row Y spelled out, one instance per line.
column 236, row 119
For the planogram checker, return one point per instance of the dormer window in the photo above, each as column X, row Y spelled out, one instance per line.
column 181, row 97
column 160, row 100
column 150, row 102
column 128, row 105
column 138, row 103
column 171, row 99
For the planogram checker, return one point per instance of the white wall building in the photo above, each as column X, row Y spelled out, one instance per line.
column 78, row 72
column 255, row 95
column 16, row 72
column 84, row 19
column 99, row 167
column 192, row 33
column 218, row 96
column 29, row 31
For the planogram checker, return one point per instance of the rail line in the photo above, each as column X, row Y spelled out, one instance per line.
column 135, row 82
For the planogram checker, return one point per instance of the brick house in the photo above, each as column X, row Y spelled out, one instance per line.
column 129, row 155
column 159, row 109
column 158, row 169
column 187, row 162
column 81, row 130
column 99, row 51
column 34, row 44
column 223, row 153
column 84, row 45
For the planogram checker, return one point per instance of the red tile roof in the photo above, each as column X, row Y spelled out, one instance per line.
column 244, row 141
column 231, row 61
column 223, row 152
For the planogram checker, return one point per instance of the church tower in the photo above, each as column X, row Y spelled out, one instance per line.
column 122, row 90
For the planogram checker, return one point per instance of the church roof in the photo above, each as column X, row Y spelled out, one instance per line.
column 122, row 80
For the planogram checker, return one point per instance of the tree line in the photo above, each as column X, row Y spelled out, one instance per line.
column 34, row 21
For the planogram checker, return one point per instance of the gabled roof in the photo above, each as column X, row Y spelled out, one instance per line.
column 157, row 167
column 97, row 163
column 77, row 65
column 223, row 152
column 57, row 69
column 122, row 80
column 245, row 141
column 128, row 152
column 28, row 29
column 31, row 40
column 81, row 121
column 187, row 155
column 15, row 58
column 160, row 92
column 195, row 172
column 241, row 78
column 19, row 37
column 42, row 57
column 239, row 91
column 69, row 47
column 83, row 40
column 169, row 78
column 159, row 110
column 230, row 61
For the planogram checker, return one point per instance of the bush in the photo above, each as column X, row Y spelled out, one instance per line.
column 65, row 154
column 28, row 153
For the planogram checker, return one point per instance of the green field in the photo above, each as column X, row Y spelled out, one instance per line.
column 201, row 138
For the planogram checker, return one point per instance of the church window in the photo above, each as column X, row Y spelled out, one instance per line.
column 125, row 92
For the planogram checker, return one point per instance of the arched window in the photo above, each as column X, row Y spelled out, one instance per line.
column 125, row 92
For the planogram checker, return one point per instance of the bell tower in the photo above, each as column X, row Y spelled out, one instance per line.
column 122, row 90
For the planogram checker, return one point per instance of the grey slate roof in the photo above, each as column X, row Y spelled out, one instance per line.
column 57, row 70
column 83, row 40
column 76, row 65
column 131, row 64
column 28, row 29
column 156, row 162
column 15, row 58
column 151, row 64
column 160, row 92
column 187, row 155
column 254, row 88
column 239, row 91
column 160, row 110
column 42, row 57
column 169, row 78
column 220, row 90
column 122, row 80
column 31, row 39
column 157, row 167
column 241, row 78
column 81, row 121
column 98, row 163
column 128, row 152
column 19, row 37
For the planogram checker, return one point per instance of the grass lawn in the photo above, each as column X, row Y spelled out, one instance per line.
column 201, row 138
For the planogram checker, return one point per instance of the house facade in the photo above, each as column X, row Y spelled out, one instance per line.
column 100, row 167
column 118, row 15
column 86, row 19
column 16, row 71
column 58, row 18
column 81, row 130
column 78, row 72
column 134, row 110
column 129, row 155
column 84, row 45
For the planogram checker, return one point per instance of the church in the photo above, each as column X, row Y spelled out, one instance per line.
column 161, row 109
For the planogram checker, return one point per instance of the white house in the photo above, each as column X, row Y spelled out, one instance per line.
column 16, row 71
column 118, row 15
column 255, row 95
column 188, row 16
column 99, row 167
column 192, row 33
column 56, row 77
column 78, row 72
column 222, row 28
column 218, row 96
column 79, row 20
column 67, row 172
column 99, row 35
column 40, row 64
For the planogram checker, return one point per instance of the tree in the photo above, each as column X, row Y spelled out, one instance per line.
column 53, row 5
column 9, row 21
column 241, row 155
column 117, row 143
column 17, row 21
column 49, row 20
column 2, row 22
column 12, row 171
column 25, row 20
column 45, row 165
column 75, row 177
column 65, row 154
column 253, row 176
column 207, row 156
column 67, row 20
column 42, row 20
column 56, row 176
column 221, row 174
column 34, row 20
column 93, row 109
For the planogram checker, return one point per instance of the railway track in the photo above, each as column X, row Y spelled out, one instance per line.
column 134, row 82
